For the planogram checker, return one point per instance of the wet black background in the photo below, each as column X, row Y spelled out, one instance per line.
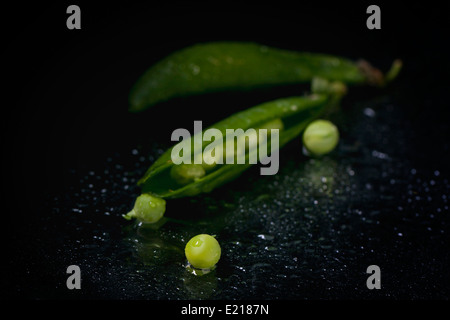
column 65, row 99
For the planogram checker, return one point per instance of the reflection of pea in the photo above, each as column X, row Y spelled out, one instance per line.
column 203, row 287
column 320, row 174
column 158, row 252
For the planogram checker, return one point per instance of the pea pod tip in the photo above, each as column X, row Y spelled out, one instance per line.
column 129, row 215
column 375, row 76
column 393, row 72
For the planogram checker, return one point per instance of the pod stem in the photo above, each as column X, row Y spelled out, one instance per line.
column 375, row 77
column 393, row 71
column 336, row 90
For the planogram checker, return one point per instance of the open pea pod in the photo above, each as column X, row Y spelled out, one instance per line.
column 167, row 180
column 222, row 66
column 294, row 112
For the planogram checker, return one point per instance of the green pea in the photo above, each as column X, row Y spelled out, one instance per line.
column 147, row 209
column 203, row 251
column 247, row 143
column 272, row 124
column 320, row 137
column 324, row 86
column 186, row 173
column 212, row 159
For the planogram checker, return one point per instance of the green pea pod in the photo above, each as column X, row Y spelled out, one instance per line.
column 221, row 66
column 295, row 113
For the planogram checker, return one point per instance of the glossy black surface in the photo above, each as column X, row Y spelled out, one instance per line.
column 74, row 155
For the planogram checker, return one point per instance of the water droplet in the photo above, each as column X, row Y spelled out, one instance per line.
column 369, row 112
column 379, row 155
column 265, row 237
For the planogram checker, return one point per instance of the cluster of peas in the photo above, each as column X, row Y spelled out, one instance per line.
column 203, row 251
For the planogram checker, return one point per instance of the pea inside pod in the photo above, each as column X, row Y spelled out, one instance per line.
column 289, row 115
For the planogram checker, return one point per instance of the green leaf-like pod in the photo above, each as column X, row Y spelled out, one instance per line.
column 222, row 66
column 294, row 112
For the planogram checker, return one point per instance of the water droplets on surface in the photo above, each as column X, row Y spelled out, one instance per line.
column 316, row 219
column 369, row 112
column 380, row 155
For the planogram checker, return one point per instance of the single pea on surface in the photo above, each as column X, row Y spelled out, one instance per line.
column 203, row 251
column 147, row 208
column 320, row 137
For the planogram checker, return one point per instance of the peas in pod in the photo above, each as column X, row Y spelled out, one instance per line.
column 226, row 66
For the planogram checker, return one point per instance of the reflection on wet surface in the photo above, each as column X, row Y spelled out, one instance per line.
column 308, row 232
